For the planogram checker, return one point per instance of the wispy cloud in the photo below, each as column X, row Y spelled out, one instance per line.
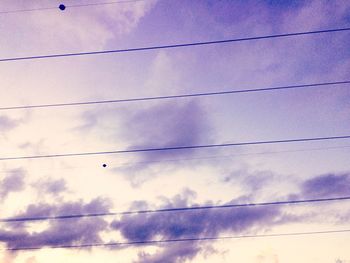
column 7, row 123
column 12, row 182
column 50, row 186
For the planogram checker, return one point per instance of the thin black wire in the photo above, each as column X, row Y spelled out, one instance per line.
column 322, row 84
column 130, row 163
column 172, row 148
column 155, row 242
column 233, row 155
column 105, row 3
column 27, row 10
column 68, row 6
column 176, row 45
column 178, row 209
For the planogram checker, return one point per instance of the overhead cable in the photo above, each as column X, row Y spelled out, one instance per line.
column 180, row 96
column 173, row 148
column 131, row 163
column 68, row 6
column 176, row 209
column 164, row 241
column 169, row 46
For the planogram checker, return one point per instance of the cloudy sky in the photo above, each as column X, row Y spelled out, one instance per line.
column 170, row 179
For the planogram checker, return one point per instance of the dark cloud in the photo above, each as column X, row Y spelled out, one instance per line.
column 163, row 125
column 171, row 225
column 194, row 224
column 59, row 232
column 204, row 223
column 201, row 223
column 67, row 208
column 156, row 125
column 13, row 182
column 327, row 185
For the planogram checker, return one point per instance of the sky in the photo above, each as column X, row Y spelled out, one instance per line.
column 181, row 178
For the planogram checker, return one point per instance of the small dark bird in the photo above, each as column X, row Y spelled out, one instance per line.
column 104, row 165
column 62, row 7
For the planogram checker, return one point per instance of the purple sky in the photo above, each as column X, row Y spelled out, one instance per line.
column 73, row 185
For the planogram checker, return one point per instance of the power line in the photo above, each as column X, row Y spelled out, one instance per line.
column 189, row 95
column 105, row 3
column 155, row 242
column 130, row 163
column 178, row 209
column 68, row 6
column 27, row 10
column 172, row 148
column 233, row 155
column 176, row 45
column 210, row 157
